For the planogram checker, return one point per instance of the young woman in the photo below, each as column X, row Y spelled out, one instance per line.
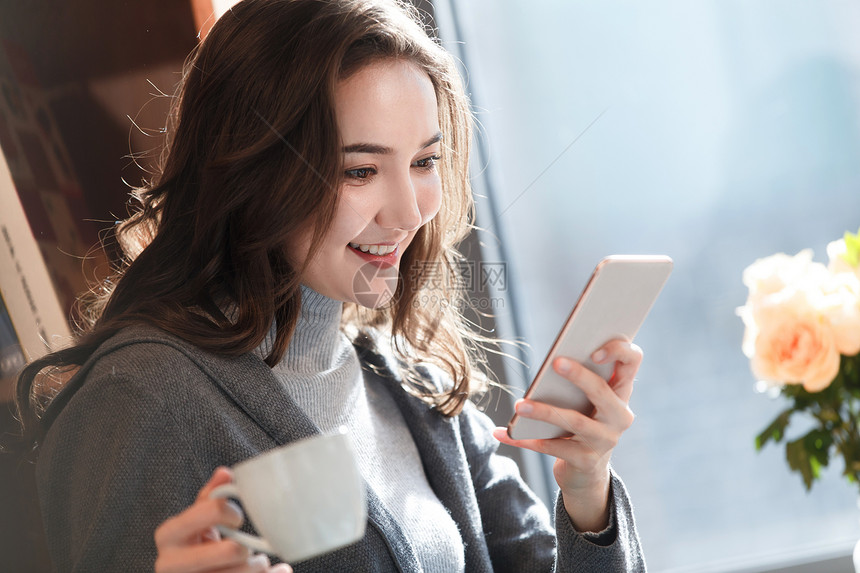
column 318, row 156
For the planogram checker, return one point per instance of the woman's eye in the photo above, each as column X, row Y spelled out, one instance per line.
column 428, row 162
column 360, row 173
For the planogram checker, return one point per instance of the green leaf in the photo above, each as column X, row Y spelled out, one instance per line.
column 817, row 444
column 799, row 460
column 852, row 249
column 775, row 431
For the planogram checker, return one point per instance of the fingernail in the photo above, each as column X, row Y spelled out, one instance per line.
column 599, row 356
column 234, row 507
column 562, row 365
column 259, row 560
column 524, row 408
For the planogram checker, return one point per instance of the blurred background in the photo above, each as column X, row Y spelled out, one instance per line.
column 716, row 132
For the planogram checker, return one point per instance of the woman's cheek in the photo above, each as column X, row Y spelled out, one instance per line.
column 354, row 211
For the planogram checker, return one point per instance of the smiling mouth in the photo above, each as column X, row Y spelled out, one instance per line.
column 379, row 250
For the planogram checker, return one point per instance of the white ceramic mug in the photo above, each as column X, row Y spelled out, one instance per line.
column 305, row 498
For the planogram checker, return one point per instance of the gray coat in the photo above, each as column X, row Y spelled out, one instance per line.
column 148, row 418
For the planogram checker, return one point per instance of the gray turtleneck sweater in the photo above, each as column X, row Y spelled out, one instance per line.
column 322, row 373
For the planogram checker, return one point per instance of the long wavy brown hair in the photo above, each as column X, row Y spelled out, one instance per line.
column 252, row 156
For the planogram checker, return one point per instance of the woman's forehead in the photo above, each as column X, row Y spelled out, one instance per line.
column 388, row 103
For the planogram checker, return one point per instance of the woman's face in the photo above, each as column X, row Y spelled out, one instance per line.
column 389, row 130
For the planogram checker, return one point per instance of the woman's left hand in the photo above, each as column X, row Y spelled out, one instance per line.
column 582, row 460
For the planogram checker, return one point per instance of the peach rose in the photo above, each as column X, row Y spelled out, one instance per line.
column 772, row 274
column 793, row 341
column 840, row 303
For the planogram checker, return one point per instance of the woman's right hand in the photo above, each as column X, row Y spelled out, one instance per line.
column 189, row 542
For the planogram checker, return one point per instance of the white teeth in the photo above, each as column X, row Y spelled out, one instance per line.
column 374, row 249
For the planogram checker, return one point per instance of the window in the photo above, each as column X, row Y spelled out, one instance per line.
column 716, row 133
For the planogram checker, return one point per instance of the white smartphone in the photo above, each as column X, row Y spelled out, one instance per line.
column 614, row 304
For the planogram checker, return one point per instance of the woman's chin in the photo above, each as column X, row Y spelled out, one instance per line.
column 374, row 286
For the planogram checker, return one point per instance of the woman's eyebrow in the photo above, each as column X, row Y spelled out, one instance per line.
column 432, row 140
column 377, row 149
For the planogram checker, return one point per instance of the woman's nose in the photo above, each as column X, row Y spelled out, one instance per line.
column 399, row 207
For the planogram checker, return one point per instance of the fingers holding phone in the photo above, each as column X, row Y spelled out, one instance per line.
column 596, row 432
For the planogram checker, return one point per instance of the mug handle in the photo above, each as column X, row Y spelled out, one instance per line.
column 229, row 490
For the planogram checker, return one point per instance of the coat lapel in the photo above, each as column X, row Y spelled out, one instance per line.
column 252, row 386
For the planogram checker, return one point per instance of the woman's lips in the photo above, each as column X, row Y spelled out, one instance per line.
column 380, row 260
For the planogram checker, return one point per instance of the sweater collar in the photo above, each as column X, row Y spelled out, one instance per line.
column 317, row 341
